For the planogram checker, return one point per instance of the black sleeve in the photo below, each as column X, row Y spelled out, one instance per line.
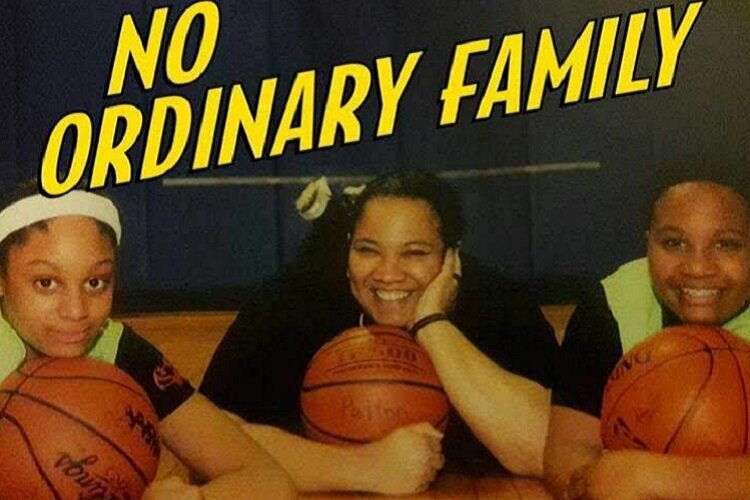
column 589, row 352
column 258, row 367
column 164, row 385
column 503, row 319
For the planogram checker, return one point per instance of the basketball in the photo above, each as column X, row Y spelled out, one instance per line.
column 368, row 381
column 75, row 428
column 682, row 391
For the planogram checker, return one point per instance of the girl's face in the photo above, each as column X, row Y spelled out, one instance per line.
column 396, row 251
column 699, row 252
column 57, row 288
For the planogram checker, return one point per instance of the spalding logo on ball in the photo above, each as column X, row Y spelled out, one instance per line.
column 75, row 429
column 682, row 391
column 368, row 381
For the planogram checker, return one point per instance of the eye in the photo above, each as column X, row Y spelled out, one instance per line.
column 364, row 249
column 416, row 253
column 729, row 245
column 45, row 284
column 673, row 243
column 96, row 284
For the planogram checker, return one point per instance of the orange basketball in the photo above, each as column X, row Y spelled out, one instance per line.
column 75, row 428
column 368, row 381
column 682, row 391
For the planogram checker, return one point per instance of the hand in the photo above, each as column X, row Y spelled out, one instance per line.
column 172, row 488
column 612, row 476
column 405, row 461
column 440, row 294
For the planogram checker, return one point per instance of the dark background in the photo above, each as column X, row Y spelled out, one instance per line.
column 201, row 246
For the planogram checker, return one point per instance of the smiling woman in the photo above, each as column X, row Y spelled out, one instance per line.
column 388, row 254
column 391, row 265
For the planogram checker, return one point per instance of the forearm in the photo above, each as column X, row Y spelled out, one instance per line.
column 269, row 483
column 676, row 477
column 561, row 462
column 219, row 452
column 508, row 413
column 313, row 466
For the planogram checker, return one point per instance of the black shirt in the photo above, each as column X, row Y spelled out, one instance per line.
column 258, row 368
column 589, row 352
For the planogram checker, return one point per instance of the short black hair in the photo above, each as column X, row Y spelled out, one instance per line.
column 734, row 175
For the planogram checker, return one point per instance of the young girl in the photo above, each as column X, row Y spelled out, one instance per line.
column 57, row 270
column 697, row 270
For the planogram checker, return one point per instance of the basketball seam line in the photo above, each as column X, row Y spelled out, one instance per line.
column 424, row 385
column 90, row 378
column 334, row 343
column 91, row 429
column 633, row 382
column 39, row 468
column 373, row 360
column 319, row 429
column 693, row 405
column 741, row 377
column 330, row 434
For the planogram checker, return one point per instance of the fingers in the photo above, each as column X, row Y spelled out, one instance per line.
column 428, row 430
column 452, row 263
column 577, row 486
column 449, row 263
column 438, row 461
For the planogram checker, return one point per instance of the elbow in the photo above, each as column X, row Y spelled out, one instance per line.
column 287, row 489
column 272, row 484
column 521, row 458
column 530, row 465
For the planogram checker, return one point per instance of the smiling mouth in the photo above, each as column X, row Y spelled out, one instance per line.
column 699, row 293
column 75, row 337
column 391, row 295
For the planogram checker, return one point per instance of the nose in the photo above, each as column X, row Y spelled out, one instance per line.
column 73, row 306
column 389, row 270
column 699, row 263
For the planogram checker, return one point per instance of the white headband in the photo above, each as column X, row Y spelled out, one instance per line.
column 37, row 208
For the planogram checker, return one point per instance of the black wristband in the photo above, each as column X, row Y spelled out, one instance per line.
column 427, row 320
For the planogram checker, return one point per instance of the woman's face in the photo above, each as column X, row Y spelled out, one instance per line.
column 395, row 252
column 699, row 252
column 57, row 288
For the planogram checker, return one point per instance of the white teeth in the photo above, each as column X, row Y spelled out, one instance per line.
column 699, row 292
column 391, row 294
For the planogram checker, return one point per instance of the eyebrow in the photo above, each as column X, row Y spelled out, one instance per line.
column 676, row 229
column 734, row 232
column 667, row 228
column 406, row 243
column 43, row 262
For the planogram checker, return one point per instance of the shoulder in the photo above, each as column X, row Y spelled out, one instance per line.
column 633, row 277
column 589, row 351
column 503, row 319
column 592, row 317
column 481, row 283
column 164, row 384
column 488, row 298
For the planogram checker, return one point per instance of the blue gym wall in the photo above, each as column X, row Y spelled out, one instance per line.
column 556, row 229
